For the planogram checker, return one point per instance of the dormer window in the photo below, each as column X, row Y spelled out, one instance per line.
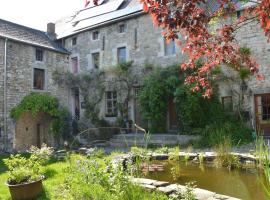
column 39, row 54
column 74, row 41
column 122, row 28
column 95, row 35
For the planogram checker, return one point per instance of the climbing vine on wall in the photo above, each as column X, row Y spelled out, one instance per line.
column 157, row 88
column 91, row 86
column 42, row 102
column 194, row 112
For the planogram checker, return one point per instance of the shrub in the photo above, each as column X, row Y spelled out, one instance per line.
column 214, row 133
column 93, row 180
column 24, row 170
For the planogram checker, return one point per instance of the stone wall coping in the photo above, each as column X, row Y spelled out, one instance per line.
column 201, row 194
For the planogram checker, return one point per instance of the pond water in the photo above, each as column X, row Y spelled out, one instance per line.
column 244, row 184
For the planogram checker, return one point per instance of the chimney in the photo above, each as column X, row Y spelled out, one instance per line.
column 51, row 31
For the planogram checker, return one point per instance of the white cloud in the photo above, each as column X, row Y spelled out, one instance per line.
column 37, row 13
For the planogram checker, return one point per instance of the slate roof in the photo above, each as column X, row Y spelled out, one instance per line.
column 213, row 5
column 107, row 12
column 28, row 35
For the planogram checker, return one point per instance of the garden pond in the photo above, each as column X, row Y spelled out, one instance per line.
column 240, row 183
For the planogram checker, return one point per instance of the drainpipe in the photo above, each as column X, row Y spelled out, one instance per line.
column 5, row 96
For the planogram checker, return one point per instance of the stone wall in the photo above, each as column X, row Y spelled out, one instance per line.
column 149, row 48
column 251, row 36
column 21, row 59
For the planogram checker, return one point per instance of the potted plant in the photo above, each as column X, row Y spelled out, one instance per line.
column 25, row 175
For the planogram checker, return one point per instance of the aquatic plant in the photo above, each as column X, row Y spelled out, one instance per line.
column 224, row 156
column 262, row 151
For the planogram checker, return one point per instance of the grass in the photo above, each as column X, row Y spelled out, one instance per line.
column 54, row 173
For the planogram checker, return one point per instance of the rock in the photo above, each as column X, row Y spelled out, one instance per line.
column 161, row 183
column 209, row 156
column 166, row 190
column 143, row 181
column 82, row 150
column 160, row 156
column 148, row 187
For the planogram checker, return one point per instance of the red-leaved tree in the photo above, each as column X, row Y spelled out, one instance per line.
column 188, row 22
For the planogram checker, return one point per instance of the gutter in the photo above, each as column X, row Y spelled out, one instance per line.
column 35, row 44
column 5, row 96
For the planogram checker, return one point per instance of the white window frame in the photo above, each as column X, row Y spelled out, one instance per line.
column 113, row 107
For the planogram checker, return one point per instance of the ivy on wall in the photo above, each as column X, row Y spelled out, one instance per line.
column 157, row 88
column 194, row 112
column 92, row 87
column 42, row 102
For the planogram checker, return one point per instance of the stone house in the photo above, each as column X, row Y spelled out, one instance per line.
column 98, row 38
column 116, row 31
column 28, row 58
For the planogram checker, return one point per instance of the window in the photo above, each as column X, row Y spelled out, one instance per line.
column 111, row 104
column 74, row 65
column 74, row 41
column 122, row 28
column 238, row 14
column 76, row 100
column 169, row 48
column 135, row 38
column 227, row 102
column 95, row 60
column 39, row 55
column 103, row 43
column 121, row 55
column 95, row 35
column 39, row 79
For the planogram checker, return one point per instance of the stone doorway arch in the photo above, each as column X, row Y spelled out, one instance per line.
column 32, row 130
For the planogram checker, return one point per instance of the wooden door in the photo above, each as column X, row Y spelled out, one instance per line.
column 172, row 115
column 138, row 117
column 262, row 111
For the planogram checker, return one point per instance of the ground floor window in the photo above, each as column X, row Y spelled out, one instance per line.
column 227, row 102
column 111, row 104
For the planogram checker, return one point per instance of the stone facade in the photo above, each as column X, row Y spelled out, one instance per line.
column 251, row 36
column 21, row 60
column 144, row 44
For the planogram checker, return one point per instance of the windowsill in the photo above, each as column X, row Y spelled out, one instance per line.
column 170, row 56
column 110, row 116
column 38, row 61
column 37, row 90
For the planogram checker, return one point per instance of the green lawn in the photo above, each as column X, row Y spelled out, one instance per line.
column 54, row 173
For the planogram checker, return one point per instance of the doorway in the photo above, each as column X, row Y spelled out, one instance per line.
column 262, row 111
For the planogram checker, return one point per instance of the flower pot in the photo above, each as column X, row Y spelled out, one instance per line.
column 26, row 191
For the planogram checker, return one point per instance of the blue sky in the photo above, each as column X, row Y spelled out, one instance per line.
column 37, row 13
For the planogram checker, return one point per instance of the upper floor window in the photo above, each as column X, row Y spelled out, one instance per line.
column 121, row 55
column 74, row 41
column 74, row 65
column 95, row 35
column 39, row 79
column 39, row 54
column 122, row 28
column 111, row 104
column 169, row 48
column 95, row 60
